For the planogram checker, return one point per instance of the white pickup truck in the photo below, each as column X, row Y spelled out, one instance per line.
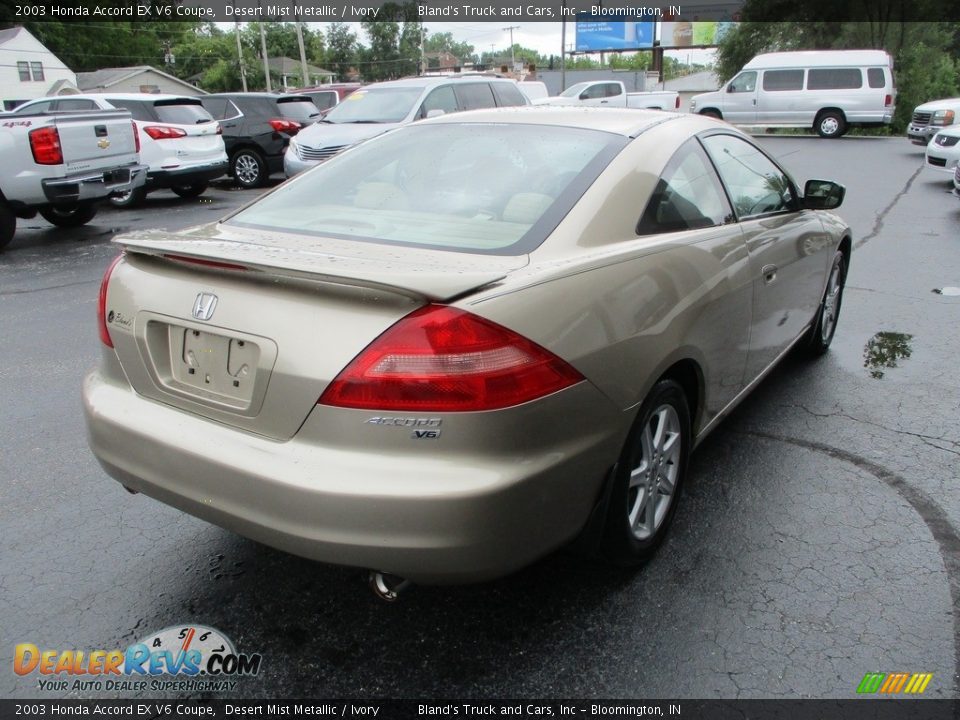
column 61, row 164
column 612, row 93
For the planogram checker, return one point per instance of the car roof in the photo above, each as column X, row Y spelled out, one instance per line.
column 430, row 81
column 818, row 58
column 268, row 95
column 627, row 122
column 143, row 97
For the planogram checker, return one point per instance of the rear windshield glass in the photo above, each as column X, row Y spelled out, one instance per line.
column 182, row 112
column 379, row 105
column 298, row 108
column 324, row 100
column 479, row 188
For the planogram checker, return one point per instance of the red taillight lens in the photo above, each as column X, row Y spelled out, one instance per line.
column 164, row 132
column 291, row 127
column 676, row 103
column 442, row 359
column 888, row 101
column 45, row 146
column 136, row 136
column 102, row 303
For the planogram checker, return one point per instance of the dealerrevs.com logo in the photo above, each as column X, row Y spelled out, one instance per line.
column 201, row 657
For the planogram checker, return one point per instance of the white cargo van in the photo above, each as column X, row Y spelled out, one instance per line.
column 827, row 90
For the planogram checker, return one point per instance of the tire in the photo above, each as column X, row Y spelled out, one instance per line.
column 190, row 191
column 653, row 463
column 69, row 216
column 830, row 124
column 711, row 114
column 249, row 169
column 8, row 224
column 129, row 199
column 822, row 332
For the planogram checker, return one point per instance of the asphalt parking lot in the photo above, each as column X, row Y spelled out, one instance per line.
column 818, row 539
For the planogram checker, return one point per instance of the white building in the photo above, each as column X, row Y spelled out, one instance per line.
column 28, row 70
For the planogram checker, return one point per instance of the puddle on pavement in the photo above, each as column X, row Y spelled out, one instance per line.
column 884, row 350
column 952, row 291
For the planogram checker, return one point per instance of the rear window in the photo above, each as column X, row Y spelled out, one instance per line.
column 477, row 188
column 778, row 80
column 875, row 78
column 298, row 108
column 182, row 112
column 834, row 79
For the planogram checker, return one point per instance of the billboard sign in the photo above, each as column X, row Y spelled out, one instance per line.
column 613, row 36
column 692, row 34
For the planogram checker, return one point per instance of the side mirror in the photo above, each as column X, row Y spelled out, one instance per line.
column 823, row 195
column 584, row 95
column 436, row 112
column 731, row 88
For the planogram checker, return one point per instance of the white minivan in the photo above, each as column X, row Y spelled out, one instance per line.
column 827, row 90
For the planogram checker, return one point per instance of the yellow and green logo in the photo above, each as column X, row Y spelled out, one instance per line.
column 894, row 683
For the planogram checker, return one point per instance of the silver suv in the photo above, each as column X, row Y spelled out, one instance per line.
column 380, row 107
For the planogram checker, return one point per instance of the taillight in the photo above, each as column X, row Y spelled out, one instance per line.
column 442, row 359
column 888, row 101
column 45, row 146
column 676, row 104
column 102, row 303
column 164, row 132
column 136, row 136
column 291, row 127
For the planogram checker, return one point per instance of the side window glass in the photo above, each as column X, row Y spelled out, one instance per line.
column 508, row 94
column 215, row 106
column 875, row 78
column 744, row 82
column 612, row 89
column 834, row 79
column 777, row 80
column 688, row 195
column 36, row 108
column 442, row 98
column 755, row 184
column 475, row 96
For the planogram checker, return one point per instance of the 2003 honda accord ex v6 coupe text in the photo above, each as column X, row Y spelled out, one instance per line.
column 458, row 346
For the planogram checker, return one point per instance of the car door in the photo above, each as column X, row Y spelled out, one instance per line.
column 740, row 98
column 787, row 246
column 689, row 200
column 782, row 98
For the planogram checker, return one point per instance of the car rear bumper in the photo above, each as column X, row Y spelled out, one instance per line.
column 193, row 174
column 417, row 515
column 91, row 186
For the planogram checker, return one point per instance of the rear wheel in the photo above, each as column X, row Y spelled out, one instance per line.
column 190, row 191
column 249, row 168
column 649, row 476
column 128, row 199
column 711, row 113
column 830, row 124
column 8, row 224
column 73, row 216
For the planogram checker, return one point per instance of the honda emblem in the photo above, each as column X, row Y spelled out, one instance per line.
column 204, row 306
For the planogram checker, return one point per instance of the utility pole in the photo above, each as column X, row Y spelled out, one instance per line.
column 423, row 55
column 243, row 70
column 303, row 55
column 263, row 50
column 513, row 58
column 563, row 47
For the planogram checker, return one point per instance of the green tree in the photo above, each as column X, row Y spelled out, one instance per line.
column 342, row 49
column 444, row 42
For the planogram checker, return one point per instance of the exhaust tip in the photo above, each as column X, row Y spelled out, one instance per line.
column 385, row 586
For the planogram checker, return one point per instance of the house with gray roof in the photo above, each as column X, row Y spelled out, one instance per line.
column 136, row 79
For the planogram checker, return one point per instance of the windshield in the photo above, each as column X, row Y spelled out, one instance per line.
column 377, row 105
column 574, row 90
column 481, row 188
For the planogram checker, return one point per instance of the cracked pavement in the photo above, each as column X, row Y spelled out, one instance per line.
column 817, row 539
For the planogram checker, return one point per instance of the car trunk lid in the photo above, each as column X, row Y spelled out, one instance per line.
column 248, row 328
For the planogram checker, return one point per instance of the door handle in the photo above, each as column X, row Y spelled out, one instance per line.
column 604, row 102
column 754, row 101
column 769, row 273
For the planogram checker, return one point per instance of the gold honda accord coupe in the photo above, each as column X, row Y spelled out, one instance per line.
column 454, row 348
